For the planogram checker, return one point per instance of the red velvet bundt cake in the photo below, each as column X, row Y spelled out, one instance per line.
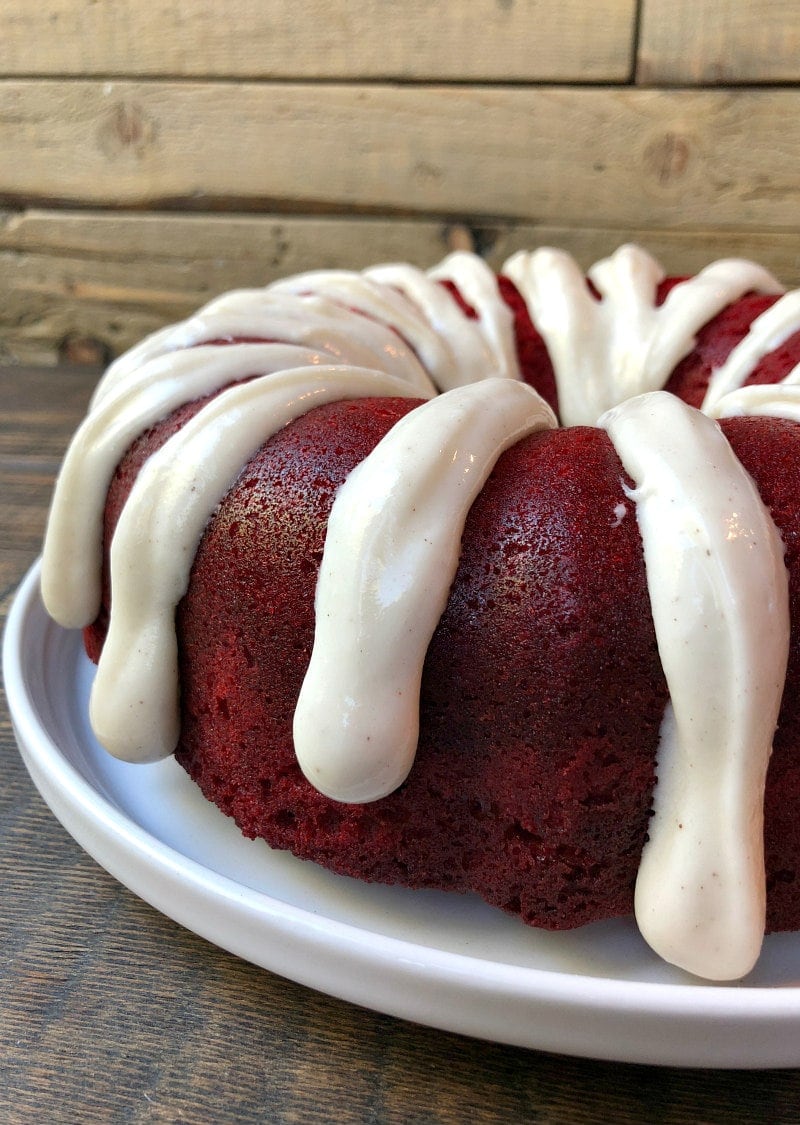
column 331, row 548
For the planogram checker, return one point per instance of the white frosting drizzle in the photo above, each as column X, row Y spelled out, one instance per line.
column 134, row 703
column 779, row 400
column 719, row 592
column 477, row 284
column 258, row 314
column 454, row 349
column 391, row 554
column 767, row 332
column 383, row 304
column 71, row 590
column 604, row 352
column 402, row 511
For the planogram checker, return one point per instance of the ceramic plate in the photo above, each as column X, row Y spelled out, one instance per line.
column 444, row 960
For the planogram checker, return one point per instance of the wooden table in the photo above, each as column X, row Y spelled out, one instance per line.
column 110, row 1012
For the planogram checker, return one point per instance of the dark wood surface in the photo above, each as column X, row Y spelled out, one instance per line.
column 110, row 1012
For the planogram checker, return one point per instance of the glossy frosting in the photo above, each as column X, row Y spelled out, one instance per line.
column 396, row 524
column 766, row 333
column 609, row 350
column 134, row 705
column 71, row 589
column 395, row 330
column 719, row 595
column 454, row 348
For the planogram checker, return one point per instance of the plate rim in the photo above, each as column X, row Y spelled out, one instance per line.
column 82, row 810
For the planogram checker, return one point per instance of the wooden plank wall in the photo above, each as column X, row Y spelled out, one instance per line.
column 155, row 152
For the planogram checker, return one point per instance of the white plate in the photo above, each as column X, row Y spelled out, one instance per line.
column 447, row 961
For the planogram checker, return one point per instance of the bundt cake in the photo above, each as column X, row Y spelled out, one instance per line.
column 477, row 582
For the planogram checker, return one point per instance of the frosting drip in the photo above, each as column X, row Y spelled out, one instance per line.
column 781, row 400
column 608, row 350
column 395, row 330
column 70, row 589
column 454, row 348
column 391, row 554
column 379, row 303
column 134, row 705
column 719, row 593
column 257, row 314
column 767, row 332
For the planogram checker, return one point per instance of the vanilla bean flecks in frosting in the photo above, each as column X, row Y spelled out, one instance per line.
column 479, row 348
column 454, row 348
column 72, row 590
column 391, row 553
column 134, row 705
column 608, row 350
column 719, row 593
column 258, row 314
column 713, row 557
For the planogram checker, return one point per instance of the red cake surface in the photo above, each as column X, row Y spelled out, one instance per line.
column 689, row 380
column 542, row 693
column 769, row 448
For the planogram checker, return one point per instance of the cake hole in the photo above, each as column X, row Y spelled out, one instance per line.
column 329, row 821
column 783, row 877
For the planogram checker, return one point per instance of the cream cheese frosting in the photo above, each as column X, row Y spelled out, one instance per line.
column 779, row 400
column 258, row 314
column 391, row 553
column 71, row 590
column 624, row 344
column 720, row 601
column 396, row 330
column 766, row 333
column 134, row 704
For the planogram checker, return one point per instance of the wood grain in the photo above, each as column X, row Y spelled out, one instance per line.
column 719, row 41
column 483, row 40
column 178, row 153
column 622, row 156
column 90, row 284
column 112, row 278
column 113, row 1013
column 679, row 251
